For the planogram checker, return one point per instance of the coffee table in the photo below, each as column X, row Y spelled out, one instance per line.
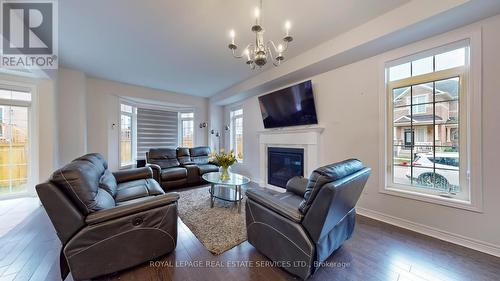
column 227, row 190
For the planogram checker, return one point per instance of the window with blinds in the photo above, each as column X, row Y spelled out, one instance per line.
column 156, row 129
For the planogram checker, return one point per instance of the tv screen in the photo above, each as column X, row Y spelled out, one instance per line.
column 291, row 106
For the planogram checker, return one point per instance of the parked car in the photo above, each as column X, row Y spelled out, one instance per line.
column 446, row 174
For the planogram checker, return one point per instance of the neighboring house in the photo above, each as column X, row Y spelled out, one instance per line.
column 424, row 119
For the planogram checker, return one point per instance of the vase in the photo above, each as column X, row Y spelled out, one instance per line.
column 224, row 173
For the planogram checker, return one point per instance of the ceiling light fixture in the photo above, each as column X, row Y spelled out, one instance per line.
column 258, row 53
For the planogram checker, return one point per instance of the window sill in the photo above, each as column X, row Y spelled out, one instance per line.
column 128, row 166
column 431, row 198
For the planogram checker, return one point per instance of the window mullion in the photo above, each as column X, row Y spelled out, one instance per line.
column 434, row 132
column 412, row 135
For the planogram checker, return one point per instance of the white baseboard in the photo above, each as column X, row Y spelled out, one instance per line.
column 433, row 232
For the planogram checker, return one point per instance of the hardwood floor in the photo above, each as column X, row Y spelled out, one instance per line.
column 377, row 251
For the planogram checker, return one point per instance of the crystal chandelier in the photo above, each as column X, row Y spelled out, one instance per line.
column 259, row 52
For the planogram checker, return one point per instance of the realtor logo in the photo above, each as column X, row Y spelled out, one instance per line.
column 29, row 34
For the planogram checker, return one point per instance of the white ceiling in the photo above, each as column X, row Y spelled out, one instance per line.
column 181, row 46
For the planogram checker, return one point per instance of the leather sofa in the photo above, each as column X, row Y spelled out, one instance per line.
column 308, row 222
column 181, row 167
column 107, row 221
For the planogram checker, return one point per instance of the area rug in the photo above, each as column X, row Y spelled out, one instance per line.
column 219, row 228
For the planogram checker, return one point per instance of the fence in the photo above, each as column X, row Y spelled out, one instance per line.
column 13, row 167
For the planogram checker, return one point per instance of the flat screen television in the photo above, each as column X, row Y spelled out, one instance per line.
column 290, row 106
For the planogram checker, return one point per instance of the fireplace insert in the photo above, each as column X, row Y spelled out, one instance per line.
column 284, row 164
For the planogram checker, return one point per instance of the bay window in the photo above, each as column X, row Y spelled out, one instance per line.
column 127, row 143
column 187, row 129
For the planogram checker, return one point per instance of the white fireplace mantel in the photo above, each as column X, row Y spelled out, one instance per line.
column 305, row 138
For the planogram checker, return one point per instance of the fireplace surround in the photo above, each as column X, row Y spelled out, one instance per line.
column 305, row 138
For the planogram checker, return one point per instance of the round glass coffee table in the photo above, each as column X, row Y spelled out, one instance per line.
column 227, row 190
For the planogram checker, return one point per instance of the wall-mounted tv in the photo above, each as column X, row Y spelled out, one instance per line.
column 290, row 106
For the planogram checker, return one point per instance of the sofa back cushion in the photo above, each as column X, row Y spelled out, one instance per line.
column 183, row 155
column 327, row 174
column 163, row 157
column 79, row 181
column 95, row 158
column 108, row 183
column 200, row 154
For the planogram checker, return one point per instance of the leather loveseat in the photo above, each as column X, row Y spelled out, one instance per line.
column 107, row 221
column 305, row 224
column 181, row 167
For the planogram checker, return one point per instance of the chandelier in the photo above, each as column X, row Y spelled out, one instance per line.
column 259, row 52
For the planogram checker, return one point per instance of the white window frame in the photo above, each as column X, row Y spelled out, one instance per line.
column 181, row 129
column 472, row 103
column 232, row 130
column 133, row 116
column 33, row 147
column 420, row 105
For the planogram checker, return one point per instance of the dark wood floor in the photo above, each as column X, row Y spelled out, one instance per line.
column 377, row 251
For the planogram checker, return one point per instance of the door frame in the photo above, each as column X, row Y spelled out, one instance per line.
column 33, row 133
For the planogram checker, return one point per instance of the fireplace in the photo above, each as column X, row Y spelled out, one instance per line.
column 284, row 164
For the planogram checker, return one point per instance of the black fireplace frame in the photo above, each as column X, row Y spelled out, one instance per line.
column 283, row 150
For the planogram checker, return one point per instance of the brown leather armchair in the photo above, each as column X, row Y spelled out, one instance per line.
column 308, row 222
column 107, row 221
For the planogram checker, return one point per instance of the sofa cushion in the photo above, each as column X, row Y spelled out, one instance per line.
column 163, row 157
column 283, row 203
column 207, row 168
column 327, row 174
column 108, row 182
column 200, row 155
column 137, row 189
column 94, row 158
column 183, row 156
column 79, row 180
column 174, row 173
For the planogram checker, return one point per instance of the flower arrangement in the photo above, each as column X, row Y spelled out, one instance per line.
column 224, row 160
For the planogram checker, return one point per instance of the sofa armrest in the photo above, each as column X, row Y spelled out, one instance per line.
column 297, row 185
column 133, row 208
column 133, row 174
column 156, row 171
column 267, row 198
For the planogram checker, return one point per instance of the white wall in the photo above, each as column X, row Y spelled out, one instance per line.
column 215, row 122
column 72, row 91
column 347, row 101
column 48, row 139
column 103, row 100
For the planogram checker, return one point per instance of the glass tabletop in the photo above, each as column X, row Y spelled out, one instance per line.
column 234, row 179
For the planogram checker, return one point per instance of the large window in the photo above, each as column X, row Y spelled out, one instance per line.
column 428, row 113
column 236, row 132
column 14, row 141
column 187, row 127
column 127, row 118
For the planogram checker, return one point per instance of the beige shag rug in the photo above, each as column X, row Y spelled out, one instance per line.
column 219, row 228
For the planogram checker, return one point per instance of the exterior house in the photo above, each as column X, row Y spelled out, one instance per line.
column 425, row 115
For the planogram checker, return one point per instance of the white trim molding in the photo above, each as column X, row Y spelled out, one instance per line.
column 447, row 236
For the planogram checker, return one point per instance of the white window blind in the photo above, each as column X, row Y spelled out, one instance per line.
column 156, row 129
